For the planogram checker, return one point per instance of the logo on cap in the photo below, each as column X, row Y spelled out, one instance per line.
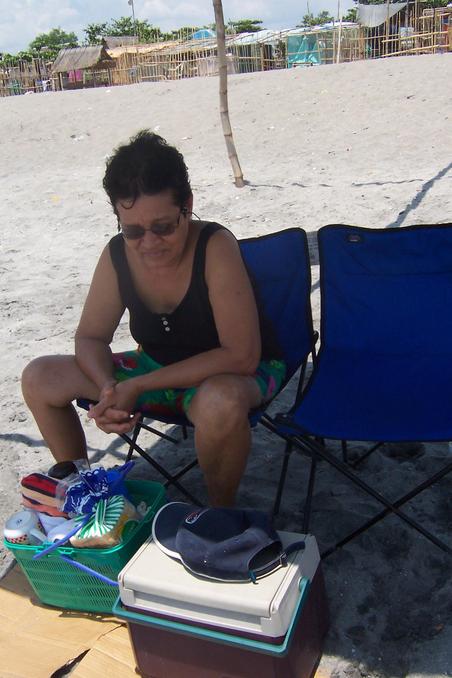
column 193, row 517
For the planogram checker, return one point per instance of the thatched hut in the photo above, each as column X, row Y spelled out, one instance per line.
column 80, row 67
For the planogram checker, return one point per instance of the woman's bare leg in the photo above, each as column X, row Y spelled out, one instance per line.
column 219, row 412
column 49, row 385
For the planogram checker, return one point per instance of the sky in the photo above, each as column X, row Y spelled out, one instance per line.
column 22, row 20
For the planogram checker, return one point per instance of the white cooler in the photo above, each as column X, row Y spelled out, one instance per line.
column 183, row 626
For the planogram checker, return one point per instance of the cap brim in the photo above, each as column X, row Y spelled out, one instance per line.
column 263, row 560
column 166, row 524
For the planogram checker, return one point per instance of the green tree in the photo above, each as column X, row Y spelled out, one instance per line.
column 244, row 26
column 309, row 19
column 49, row 44
column 144, row 31
column 187, row 31
column 95, row 32
column 13, row 59
column 25, row 55
column 125, row 25
column 147, row 32
column 352, row 15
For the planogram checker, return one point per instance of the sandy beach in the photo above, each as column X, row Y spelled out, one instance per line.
column 365, row 143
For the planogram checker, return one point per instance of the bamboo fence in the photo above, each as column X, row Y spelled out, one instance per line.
column 34, row 76
column 411, row 31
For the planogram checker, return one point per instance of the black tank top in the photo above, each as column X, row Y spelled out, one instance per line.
column 189, row 329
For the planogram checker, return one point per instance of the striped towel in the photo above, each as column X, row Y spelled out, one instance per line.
column 42, row 508
column 42, row 489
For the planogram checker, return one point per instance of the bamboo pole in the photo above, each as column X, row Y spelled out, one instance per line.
column 223, row 81
column 339, row 35
column 387, row 26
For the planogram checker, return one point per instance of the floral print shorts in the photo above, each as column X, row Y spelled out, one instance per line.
column 170, row 401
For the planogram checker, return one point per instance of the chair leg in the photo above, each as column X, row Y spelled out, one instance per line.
column 171, row 480
column 133, row 441
column 364, row 456
column 269, row 424
column 164, row 436
column 186, row 468
column 314, row 449
column 360, row 459
column 282, row 478
column 406, row 497
column 308, row 502
column 344, row 451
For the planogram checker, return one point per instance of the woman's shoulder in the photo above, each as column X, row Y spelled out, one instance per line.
column 116, row 243
column 215, row 241
column 208, row 229
column 221, row 245
column 115, row 248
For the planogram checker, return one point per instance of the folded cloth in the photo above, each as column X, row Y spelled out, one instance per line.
column 42, row 508
column 40, row 497
column 43, row 489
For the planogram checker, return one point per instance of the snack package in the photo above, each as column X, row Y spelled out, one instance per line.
column 105, row 526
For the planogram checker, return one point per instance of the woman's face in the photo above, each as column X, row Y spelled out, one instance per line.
column 165, row 223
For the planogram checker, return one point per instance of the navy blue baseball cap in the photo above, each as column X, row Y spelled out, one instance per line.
column 220, row 543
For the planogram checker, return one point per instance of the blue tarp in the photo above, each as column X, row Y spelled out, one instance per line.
column 202, row 34
column 303, row 49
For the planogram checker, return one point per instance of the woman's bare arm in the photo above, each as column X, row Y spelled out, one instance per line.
column 100, row 317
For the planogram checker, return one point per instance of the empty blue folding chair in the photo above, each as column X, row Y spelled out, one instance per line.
column 279, row 266
column 384, row 369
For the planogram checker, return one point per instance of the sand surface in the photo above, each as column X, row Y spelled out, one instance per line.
column 363, row 143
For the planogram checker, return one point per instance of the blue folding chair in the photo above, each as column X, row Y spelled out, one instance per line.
column 279, row 266
column 384, row 368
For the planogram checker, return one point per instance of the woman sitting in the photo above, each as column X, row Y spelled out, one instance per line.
column 203, row 347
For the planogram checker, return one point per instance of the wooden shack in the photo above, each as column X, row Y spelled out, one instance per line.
column 81, row 67
column 140, row 63
column 25, row 77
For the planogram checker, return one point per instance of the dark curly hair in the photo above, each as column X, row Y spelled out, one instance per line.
column 146, row 165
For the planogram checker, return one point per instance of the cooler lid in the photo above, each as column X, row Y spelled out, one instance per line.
column 155, row 582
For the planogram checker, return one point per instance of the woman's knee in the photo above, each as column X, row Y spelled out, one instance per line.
column 34, row 374
column 222, row 398
column 47, row 377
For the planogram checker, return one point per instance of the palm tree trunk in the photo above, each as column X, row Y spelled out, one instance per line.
column 224, row 110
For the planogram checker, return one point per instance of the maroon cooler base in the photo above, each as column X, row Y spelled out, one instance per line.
column 161, row 653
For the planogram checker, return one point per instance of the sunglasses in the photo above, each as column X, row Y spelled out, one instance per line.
column 135, row 232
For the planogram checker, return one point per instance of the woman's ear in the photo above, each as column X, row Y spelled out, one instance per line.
column 188, row 207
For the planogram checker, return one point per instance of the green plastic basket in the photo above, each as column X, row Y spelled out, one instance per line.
column 59, row 583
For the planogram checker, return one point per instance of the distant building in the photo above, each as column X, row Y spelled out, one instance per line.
column 80, row 67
